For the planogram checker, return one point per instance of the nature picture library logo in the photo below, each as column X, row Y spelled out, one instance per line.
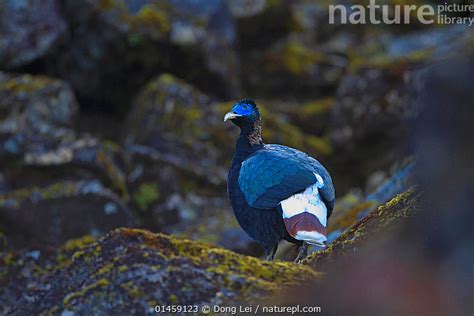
column 373, row 13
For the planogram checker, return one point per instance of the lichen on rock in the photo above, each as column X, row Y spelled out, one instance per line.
column 132, row 271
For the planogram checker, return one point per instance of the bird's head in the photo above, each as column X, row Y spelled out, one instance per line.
column 245, row 112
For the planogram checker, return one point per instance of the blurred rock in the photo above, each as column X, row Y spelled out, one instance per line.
column 116, row 46
column 36, row 113
column 81, row 158
column 37, row 140
column 311, row 116
column 29, row 30
column 375, row 225
column 236, row 239
column 132, row 271
column 311, row 22
column 64, row 210
column 443, row 140
column 246, row 8
column 371, row 118
column 260, row 24
column 355, row 205
column 178, row 123
column 372, row 103
column 420, row 41
column 174, row 201
column 296, row 68
column 4, row 187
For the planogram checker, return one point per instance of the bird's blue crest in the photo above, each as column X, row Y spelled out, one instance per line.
column 247, row 108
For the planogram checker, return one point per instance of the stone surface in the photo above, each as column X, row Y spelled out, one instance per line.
column 116, row 46
column 53, row 214
column 36, row 113
column 29, row 30
column 294, row 65
column 132, row 271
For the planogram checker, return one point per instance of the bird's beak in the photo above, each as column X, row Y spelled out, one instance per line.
column 230, row 116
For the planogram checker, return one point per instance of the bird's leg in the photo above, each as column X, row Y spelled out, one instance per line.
column 270, row 253
column 302, row 252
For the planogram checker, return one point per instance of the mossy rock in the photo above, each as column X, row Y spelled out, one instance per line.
column 34, row 101
column 370, row 120
column 38, row 143
column 173, row 137
column 296, row 67
column 52, row 214
column 374, row 226
column 119, row 45
column 266, row 22
column 31, row 31
column 83, row 157
column 36, row 111
column 131, row 271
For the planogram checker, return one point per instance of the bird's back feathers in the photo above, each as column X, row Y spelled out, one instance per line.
column 276, row 172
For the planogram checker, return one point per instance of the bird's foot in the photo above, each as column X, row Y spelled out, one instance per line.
column 270, row 253
column 302, row 252
column 268, row 258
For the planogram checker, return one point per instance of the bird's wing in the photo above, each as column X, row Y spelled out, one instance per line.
column 276, row 172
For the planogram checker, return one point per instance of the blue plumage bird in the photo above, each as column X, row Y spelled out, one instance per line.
column 276, row 192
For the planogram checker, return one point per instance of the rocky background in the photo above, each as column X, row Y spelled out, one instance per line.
column 111, row 129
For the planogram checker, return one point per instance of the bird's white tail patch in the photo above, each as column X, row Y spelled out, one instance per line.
column 305, row 215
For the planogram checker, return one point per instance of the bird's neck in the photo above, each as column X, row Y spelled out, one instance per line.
column 250, row 140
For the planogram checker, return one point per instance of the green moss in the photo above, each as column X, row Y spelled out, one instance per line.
column 114, row 268
column 54, row 191
column 111, row 4
column 295, row 58
column 74, row 244
column 151, row 18
column 147, row 194
column 259, row 275
column 27, row 84
column 277, row 130
column 8, row 259
column 70, row 297
column 321, row 145
column 89, row 253
column 105, row 269
column 173, row 299
column 114, row 173
column 132, row 290
column 165, row 79
column 375, row 57
column 319, row 106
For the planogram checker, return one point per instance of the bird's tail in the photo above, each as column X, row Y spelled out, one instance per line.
column 305, row 219
column 306, row 226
